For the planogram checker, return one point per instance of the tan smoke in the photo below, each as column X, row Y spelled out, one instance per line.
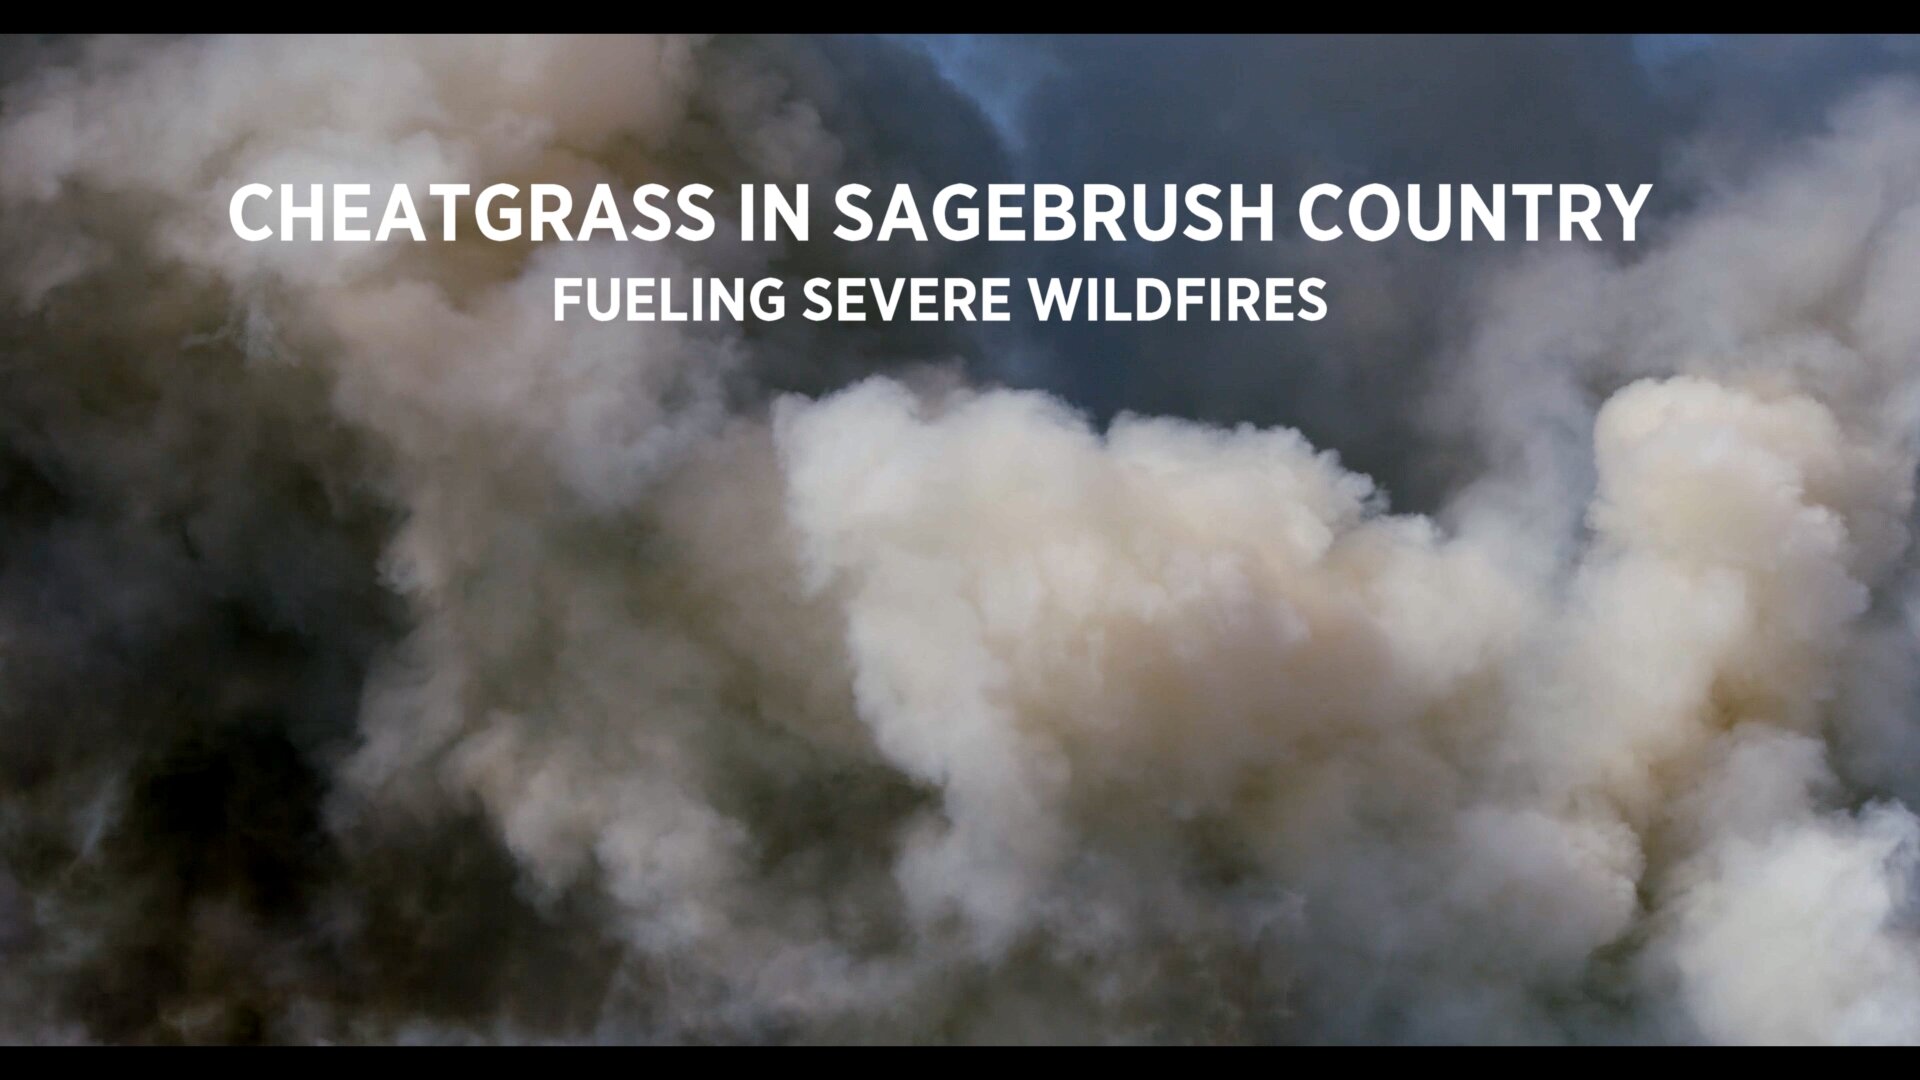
column 923, row 710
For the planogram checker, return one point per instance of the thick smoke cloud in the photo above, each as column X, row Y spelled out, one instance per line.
column 380, row 659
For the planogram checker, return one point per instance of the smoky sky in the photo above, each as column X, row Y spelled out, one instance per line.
column 1524, row 653
column 1296, row 111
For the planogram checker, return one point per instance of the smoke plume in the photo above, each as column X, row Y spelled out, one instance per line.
column 383, row 660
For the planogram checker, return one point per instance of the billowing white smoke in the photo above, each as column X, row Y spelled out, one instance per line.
column 925, row 711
